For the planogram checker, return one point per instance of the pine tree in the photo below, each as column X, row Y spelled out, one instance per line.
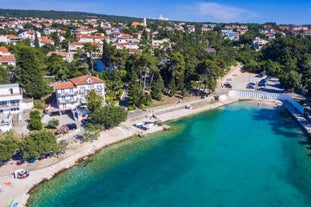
column 136, row 94
column 157, row 88
column 37, row 45
column 28, row 73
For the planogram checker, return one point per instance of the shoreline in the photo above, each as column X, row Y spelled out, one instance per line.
column 19, row 190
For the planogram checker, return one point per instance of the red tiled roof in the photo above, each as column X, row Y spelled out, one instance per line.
column 83, row 80
column 11, row 36
column 63, row 85
column 4, row 49
column 7, row 58
column 76, row 43
column 46, row 40
column 96, row 44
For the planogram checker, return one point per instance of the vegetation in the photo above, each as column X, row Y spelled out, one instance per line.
column 38, row 143
column 94, row 100
column 109, row 116
column 286, row 57
column 53, row 124
column 51, row 14
column 35, row 120
column 28, row 71
column 92, row 131
column 8, row 145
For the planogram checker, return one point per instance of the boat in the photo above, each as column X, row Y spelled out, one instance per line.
column 21, row 173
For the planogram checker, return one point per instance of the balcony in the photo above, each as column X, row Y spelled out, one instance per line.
column 72, row 100
column 61, row 100
column 12, row 105
column 71, row 93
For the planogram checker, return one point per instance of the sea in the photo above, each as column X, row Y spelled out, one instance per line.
column 237, row 155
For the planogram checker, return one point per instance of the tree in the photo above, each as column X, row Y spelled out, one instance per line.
column 57, row 67
column 35, row 120
column 4, row 75
column 209, row 72
column 177, row 68
column 109, row 116
column 108, row 53
column 92, row 131
column 53, row 124
column 37, row 45
column 114, row 86
column 37, row 144
column 28, row 72
column 157, row 88
column 93, row 100
column 290, row 80
column 135, row 92
column 8, row 145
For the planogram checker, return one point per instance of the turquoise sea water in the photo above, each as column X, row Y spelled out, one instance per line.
column 237, row 155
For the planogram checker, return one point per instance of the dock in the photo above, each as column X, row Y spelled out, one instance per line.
column 302, row 120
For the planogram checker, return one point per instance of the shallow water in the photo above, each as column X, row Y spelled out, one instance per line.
column 237, row 155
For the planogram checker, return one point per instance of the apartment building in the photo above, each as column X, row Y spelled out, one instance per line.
column 71, row 94
column 11, row 105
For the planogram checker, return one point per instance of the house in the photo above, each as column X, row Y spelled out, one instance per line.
column 72, row 94
column 29, row 34
column 42, row 41
column 91, row 38
column 191, row 28
column 161, row 43
column 66, row 56
column 6, row 58
column 11, row 105
column 258, row 43
column 4, row 51
column 73, row 46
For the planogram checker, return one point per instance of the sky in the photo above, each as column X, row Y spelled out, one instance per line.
column 218, row 11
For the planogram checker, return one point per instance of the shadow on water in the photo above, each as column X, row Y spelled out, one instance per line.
column 283, row 126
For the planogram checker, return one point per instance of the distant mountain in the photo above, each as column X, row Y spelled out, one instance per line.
column 51, row 14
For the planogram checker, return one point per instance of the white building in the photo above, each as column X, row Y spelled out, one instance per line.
column 11, row 105
column 71, row 94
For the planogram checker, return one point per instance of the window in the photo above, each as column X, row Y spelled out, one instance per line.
column 62, row 91
column 71, row 90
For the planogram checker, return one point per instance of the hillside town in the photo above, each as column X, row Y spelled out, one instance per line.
column 67, row 37
column 71, row 86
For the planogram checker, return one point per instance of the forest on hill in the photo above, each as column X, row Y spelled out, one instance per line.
column 51, row 14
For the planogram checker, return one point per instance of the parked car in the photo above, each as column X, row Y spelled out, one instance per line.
column 227, row 85
column 251, row 85
column 85, row 121
column 72, row 126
